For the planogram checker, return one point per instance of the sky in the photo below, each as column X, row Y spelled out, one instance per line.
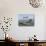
column 25, row 16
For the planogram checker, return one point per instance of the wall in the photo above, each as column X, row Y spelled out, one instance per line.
column 45, row 29
column 11, row 8
column 26, row 32
column 7, row 9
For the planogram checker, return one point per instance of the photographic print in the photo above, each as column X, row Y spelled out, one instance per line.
column 26, row 20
